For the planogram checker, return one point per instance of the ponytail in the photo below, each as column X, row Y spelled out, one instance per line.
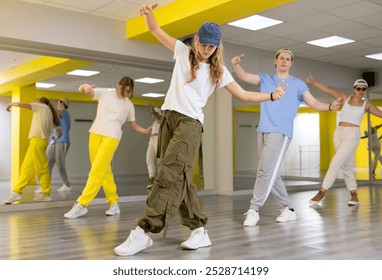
column 56, row 120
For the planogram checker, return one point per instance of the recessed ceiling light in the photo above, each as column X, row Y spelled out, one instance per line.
column 255, row 22
column 45, row 85
column 152, row 94
column 85, row 73
column 330, row 41
column 148, row 80
column 377, row 56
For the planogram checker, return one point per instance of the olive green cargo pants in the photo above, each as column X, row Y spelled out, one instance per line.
column 173, row 190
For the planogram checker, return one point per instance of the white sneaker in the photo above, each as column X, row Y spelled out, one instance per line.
column 43, row 198
column 77, row 211
column 38, row 190
column 13, row 197
column 252, row 218
column 113, row 210
column 286, row 215
column 64, row 188
column 198, row 238
column 137, row 241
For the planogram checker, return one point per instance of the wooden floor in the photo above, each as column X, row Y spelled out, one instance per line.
column 332, row 231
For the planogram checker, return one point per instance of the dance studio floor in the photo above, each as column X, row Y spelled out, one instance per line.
column 330, row 231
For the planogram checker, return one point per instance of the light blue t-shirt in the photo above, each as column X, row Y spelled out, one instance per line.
column 65, row 127
column 278, row 116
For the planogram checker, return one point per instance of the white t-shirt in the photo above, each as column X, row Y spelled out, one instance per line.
column 190, row 98
column 42, row 121
column 112, row 113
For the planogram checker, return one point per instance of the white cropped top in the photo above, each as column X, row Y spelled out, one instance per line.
column 352, row 114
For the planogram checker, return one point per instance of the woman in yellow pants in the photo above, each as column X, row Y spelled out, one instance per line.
column 35, row 163
column 113, row 109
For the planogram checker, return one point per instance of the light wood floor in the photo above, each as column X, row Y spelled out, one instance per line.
column 332, row 231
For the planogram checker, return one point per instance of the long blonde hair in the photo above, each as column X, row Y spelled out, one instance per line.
column 215, row 61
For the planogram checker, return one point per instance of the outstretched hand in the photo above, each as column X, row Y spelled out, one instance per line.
column 147, row 9
column 236, row 59
column 9, row 107
column 335, row 105
column 309, row 79
column 280, row 91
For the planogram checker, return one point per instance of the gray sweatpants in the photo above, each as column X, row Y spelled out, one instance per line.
column 56, row 154
column 272, row 149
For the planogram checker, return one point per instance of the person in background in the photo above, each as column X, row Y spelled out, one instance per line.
column 152, row 148
column 35, row 163
column 58, row 148
column 346, row 136
column 113, row 109
column 275, row 131
column 199, row 70
column 375, row 145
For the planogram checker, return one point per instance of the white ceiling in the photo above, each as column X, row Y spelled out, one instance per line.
column 304, row 20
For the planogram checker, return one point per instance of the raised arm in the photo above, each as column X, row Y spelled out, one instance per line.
column 151, row 22
column 19, row 104
column 333, row 93
column 318, row 105
column 250, row 96
column 87, row 89
column 241, row 73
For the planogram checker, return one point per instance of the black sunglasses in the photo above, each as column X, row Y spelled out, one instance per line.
column 359, row 89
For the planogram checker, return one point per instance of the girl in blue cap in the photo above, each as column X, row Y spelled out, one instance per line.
column 197, row 73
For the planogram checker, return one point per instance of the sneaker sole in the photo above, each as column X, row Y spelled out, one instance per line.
column 185, row 247
column 133, row 252
column 353, row 203
column 313, row 202
column 113, row 214
column 10, row 202
column 68, row 217
column 290, row 220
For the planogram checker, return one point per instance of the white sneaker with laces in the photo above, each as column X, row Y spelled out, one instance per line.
column 77, row 211
column 64, row 188
column 13, row 197
column 286, row 215
column 252, row 218
column 199, row 238
column 113, row 210
column 38, row 190
column 137, row 241
column 42, row 198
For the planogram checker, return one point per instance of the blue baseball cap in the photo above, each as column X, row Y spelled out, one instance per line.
column 209, row 34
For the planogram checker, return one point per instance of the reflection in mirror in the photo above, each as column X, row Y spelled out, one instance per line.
column 129, row 163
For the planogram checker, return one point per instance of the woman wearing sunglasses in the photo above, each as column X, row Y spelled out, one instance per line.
column 346, row 136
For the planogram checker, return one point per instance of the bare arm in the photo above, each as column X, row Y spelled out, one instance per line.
column 333, row 93
column 318, row 105
column 151, row 22
column 137, row 128
column 59, row 133
column 87, row 89
column 241, row 73
column 250, row 96
column 19, row 104
column 372, row 109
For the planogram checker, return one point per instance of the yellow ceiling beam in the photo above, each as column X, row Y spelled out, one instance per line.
column 37, row 70
column 184, row 17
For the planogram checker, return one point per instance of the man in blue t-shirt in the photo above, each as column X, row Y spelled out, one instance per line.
column 57, row 149
column 275, row 131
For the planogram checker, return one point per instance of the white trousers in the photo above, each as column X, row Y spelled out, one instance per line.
column 151, row 155
column 346, row 140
